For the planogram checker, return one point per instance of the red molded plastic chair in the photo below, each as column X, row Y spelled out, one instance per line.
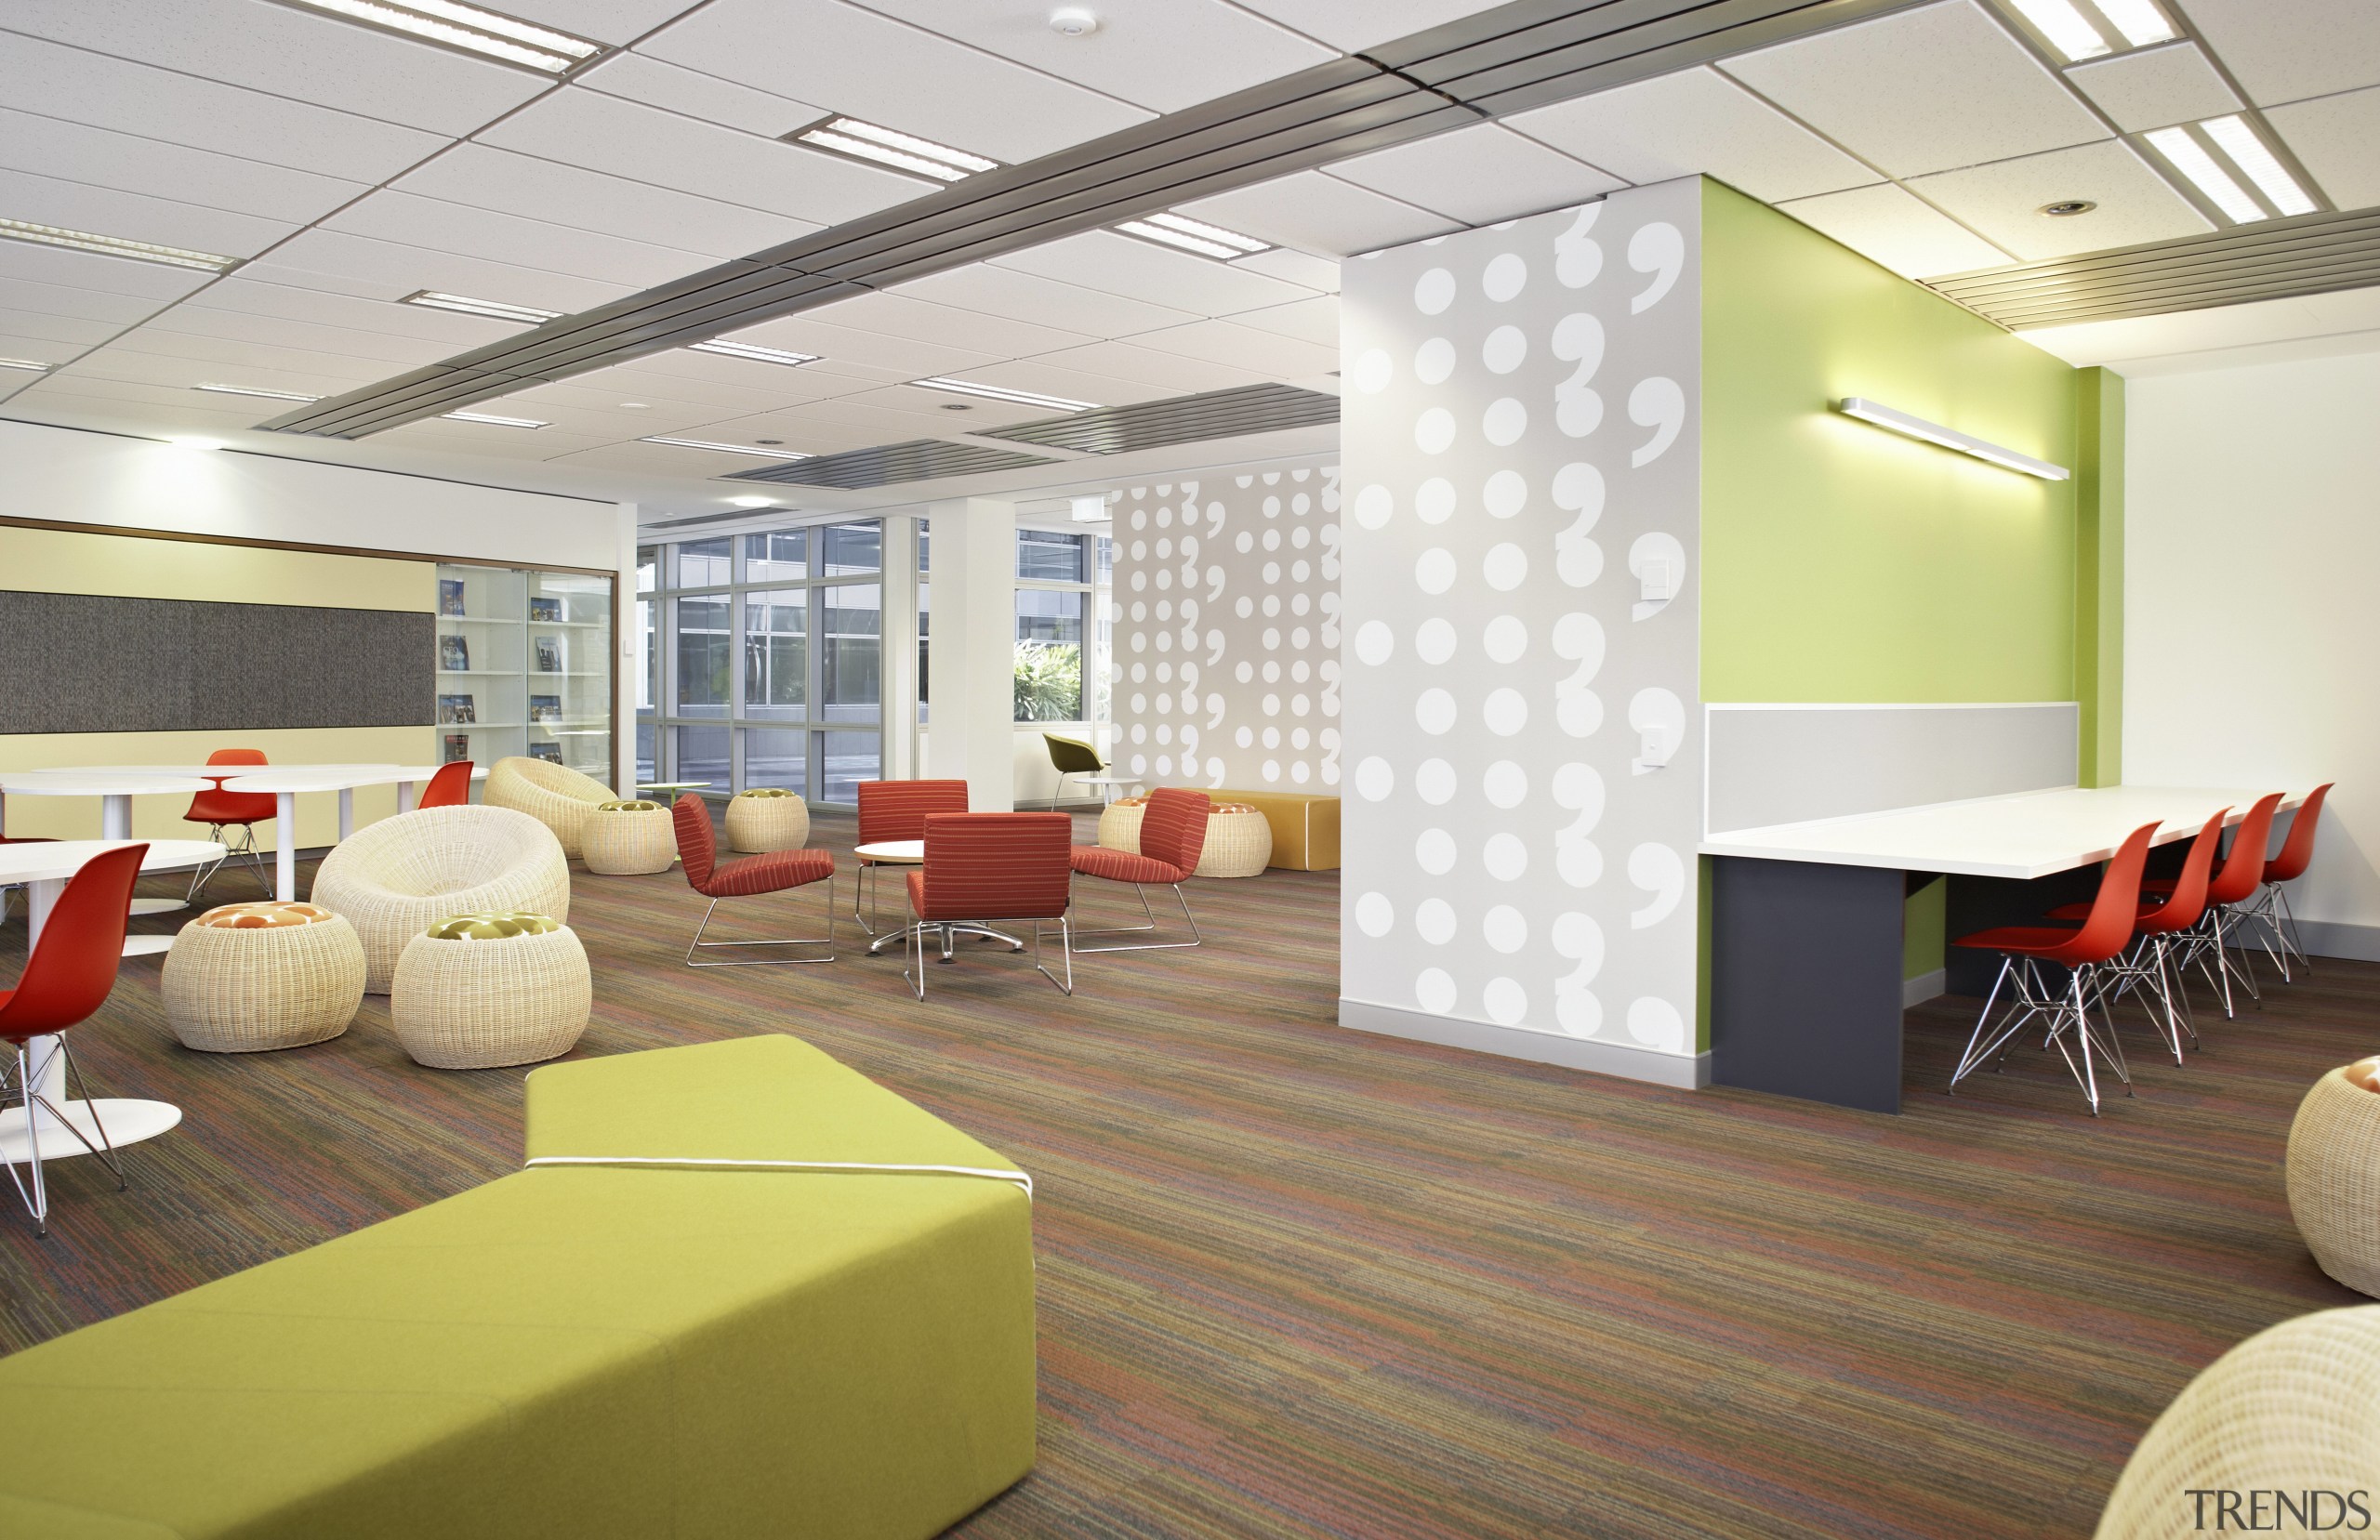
column 65, row 980
column 983, row 868
column 2238, row 881
column 776, row 872
column 1173, row 832
column 2024, row 948
column 451, row 788
column 897, row 810
column 2270, row 908
column 221, row 810
column 2144, row 967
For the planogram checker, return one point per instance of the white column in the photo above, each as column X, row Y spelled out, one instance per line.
column 900, row 667
column 624, row 663
column 973, row 658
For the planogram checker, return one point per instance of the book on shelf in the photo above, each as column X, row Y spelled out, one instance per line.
column 453, row 654
column 457, row 711
column 450, row 596
column 457, row 745
column 546, row 751
column 545, row 708
column 541, row 609
column 548, row 654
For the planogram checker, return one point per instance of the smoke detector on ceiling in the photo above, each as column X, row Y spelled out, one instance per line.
column 1073, row 22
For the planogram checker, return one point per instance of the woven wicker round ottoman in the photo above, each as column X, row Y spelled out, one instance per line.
column 1240, row 842
column 475, row 991
column 1119, row 824
column 249, row 977
column 2334, row 1176
column 767, row 818
column 628, row 839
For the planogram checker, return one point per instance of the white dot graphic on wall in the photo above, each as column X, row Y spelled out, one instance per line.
column 1433, row 430
column 1505, row 711
column 1433, row 851
column 1576, row 1009
column 1656, row 1023
column 1505, row 494
column 1505, row 567
column 1433, row 640
column 1504, row 421
column 1506, row 639
column 1433, row 782
column 1505, row 928
column 1433, row 361
column 1372, row 371
column 1505, row 784
column 1374, row 642
column 1434, row 291
column 1578, row 791
column 1577, row 488
column 1655, row 869
column 1433, row 711
column 1504, row 278
column 1660, row 250
column 1375, row 915
column 1434, row 500
column 1434, row 922
column 1506, row 1001
column 1657, row 403
column 1433, row 991
column 1505, row 857
column 1434, row 571
column 1578, row 409
column 1577, row 257
column 1375, row 778
column 1505, row 349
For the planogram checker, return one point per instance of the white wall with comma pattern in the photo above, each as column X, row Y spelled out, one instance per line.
column 1521, row 453
column 1225, row 646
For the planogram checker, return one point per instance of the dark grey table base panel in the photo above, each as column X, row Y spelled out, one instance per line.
column 1981, row 903
column 1805, row 986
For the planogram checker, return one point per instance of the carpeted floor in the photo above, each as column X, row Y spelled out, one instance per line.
column 1299, row 1280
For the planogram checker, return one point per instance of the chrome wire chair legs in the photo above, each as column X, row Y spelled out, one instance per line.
column 2269, row 912
column 2208, row 947
column 2066, row 1010
column 916, row 951
column 244, row 847
column 31, row 1188
column 2150, row 974
column 1139, row 930
column 826, row 941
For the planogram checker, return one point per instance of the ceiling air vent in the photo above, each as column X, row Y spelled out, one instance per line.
column 1181, row 420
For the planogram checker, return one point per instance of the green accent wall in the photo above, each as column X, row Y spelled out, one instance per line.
column 1842, row 562
column 2098, row 574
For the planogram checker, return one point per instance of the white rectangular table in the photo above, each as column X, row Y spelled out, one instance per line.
column 1805, row 926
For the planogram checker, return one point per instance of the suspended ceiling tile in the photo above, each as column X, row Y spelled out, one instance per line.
column 1477, row 174
column 641, row 78
column 153, row 408
column 908, row 357
column 2001, row 202
column 576, row 198
column 404, row 268
column 288, row 52
column 83, row 270
column 932, row 411
column 78, row 152
column 667, row 460
column 621, row 139
column 2154, row 88
column 1078, row 385
column 69, row 329
column 1893, row 229
column 1044, row 301
column 2338, row 139
column 599, row 425
column 220, row 352
column 613, row 21
column 726, row 384
column 441, row 226
column 1314, row 321
column 1237, row 347
column 247, row 290
column 1351, row 27
column 802, row 434
column 979, row 331
column 654, row 416
column 2293, row 49
column 135, row 215
column 1921, row 90
column 1696, row 121
column 486, row 439
column 199, row 319
column 1138, row 269
column 1172, row 373
column 869, row 66
column 116, row 309
column 1164, row 55
column 1320, row 214
column 2132, row 338
column 1295, row 267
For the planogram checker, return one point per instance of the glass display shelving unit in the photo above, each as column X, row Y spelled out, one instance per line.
column 524, row 667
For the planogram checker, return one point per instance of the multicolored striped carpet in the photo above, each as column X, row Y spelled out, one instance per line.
column 1299, row 1281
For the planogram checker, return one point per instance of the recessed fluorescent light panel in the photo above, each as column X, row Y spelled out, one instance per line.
column 1949, row 437
column 1002, row 393
column 469, row 29
column 492, row 420
column 1197, row 235
column 2232, row 168
column 498, row 310
column 753, row 350
column 2077, row 30
column 889, row 146
column 109, row 245
column 24, row 363
column 259, row 390
column 724, row 449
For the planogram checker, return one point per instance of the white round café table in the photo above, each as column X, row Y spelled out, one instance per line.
column 115, row 786
column 284, row 782
column 912, row 852
column 44, row 868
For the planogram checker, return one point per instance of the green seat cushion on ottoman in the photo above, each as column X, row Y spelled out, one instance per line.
column 583, row 1351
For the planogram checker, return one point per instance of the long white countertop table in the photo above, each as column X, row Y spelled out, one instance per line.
column 2025, row 835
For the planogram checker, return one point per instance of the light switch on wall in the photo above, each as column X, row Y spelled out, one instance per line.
column 1658, row 582
column 1654, row 748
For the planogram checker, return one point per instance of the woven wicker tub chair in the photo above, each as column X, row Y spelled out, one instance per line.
column 396, row 878
column 554, row 795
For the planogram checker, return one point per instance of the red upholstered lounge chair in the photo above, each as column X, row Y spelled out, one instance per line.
column 776, row 872
column 1173, row 832
column 982, row 867
column 897, row 810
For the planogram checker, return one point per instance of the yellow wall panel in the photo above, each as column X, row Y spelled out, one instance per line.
column 67, row 561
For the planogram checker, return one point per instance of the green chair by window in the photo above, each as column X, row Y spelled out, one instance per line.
column 1071, row 757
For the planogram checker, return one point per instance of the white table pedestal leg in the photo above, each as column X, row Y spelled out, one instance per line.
column 346, row 811
column 285, row 847
column 404, row 797
column 115, row 818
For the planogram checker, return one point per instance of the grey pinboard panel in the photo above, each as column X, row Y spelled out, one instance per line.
column 90, row 663
column 1792, row 764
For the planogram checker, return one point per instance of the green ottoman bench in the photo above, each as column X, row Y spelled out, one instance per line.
column 741, row 1291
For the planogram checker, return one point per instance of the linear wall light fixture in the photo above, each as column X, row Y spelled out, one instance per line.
column 497, row 309
column 1949, row 437
column 1002, row 393
column 724, row 449
column 492, row 420
column 257, row 390
column 467, row 29
column 889, row 146
column 753, row 350
column 112, row 245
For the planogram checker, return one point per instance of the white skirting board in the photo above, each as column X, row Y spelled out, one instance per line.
column 1925, row 987
column 1687, row 1072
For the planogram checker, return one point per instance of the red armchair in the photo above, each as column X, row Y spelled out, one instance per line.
column 982, row 867
column 223, row 811
column 1173, row 832
column 776, row 872
column 897, row 810
column 65, row 980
